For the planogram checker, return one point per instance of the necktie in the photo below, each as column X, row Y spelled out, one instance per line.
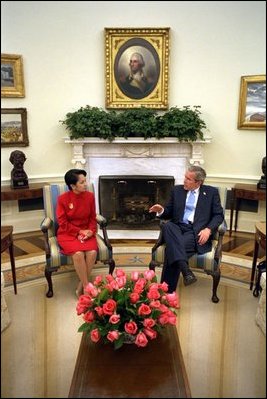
column 189, row 206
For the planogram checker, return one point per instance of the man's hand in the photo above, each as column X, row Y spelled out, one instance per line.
column 204, row 236
column 156, row 208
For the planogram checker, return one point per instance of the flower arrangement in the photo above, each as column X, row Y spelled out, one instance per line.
column 122, row 308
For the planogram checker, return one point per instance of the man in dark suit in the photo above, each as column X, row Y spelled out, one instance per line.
column 195, row 211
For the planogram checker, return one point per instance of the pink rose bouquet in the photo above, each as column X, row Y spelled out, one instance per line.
column 125, row 308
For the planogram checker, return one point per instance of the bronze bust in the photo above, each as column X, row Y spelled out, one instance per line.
column 262, row 182
column 19, row 178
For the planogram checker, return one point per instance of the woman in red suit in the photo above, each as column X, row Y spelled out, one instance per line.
column 76, row 217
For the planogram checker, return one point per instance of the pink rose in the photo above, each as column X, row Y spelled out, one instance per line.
column 134, row 297
column 114, row 319
column 134, row 276
column 149, row 274
column 113, row 335
column 109, row 278
column 155, row 304
column 144, row 310
column 173, row 300
column 121, row 281
column 163, row 286
column 89, row 317
column 153, row 294
column 120, row 273
column 130, row 327
column 171, row 318
column 150, row 333
column 141, row 340
column 98, row 280
column 139, row 285
column 95, row 335
column 149, row 323
column 163, row 319
column 109, row 307
column 91, row 290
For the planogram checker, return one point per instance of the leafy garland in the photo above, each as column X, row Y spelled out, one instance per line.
column 183, row 123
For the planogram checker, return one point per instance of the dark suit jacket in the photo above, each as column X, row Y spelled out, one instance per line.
column 209, row 212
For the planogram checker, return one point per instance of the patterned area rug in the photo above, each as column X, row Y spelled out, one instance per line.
column 33, row 268
column 30, row 258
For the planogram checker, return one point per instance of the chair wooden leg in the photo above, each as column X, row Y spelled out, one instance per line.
column 216, row 279
column 48, row 275
column 152, row 265
column 111, row 266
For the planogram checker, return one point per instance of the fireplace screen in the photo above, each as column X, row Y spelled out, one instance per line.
column 125, row 200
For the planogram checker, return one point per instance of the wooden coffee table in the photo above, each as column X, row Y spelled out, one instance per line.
column 156, row 371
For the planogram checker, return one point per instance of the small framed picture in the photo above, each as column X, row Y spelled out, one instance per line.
column 14, row 132
column 137, row 67
column 252, row 102
column 12, row 80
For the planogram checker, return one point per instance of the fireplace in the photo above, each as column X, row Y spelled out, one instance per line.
column 125, row 200
column 134, row 157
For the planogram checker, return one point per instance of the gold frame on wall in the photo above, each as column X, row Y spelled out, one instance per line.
column 14, row 131
column 12, row 81
column 152, row 45
column 252, row 102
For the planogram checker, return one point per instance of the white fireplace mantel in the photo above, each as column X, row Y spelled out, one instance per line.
column 136, row 147
column 137, row 157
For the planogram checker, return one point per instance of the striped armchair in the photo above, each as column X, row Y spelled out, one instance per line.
column 208, row 262
column 49, row 226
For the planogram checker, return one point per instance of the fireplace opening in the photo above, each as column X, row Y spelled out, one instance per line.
column 125, row 200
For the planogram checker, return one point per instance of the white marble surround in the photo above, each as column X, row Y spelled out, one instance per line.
column 135, row 156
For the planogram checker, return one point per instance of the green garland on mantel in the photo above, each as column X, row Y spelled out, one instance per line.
column 183, row 123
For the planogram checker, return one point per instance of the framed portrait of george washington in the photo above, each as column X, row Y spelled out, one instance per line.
column 252, row 103
column 12, row 80
column 137, row 67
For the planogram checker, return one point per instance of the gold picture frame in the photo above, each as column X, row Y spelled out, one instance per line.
column 12, row 80
column 150, row 48
column 252, row 102
column 14, row 131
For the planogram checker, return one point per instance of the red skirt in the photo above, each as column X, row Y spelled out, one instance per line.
column 75, row 245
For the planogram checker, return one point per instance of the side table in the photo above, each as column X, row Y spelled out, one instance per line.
column 35, row 190
column 7, row 243
column 243, row 191
column 260, row 240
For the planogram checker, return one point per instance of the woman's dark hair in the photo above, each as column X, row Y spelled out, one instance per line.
column 72, row 176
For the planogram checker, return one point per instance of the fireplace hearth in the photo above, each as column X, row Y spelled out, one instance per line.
column 125, row 200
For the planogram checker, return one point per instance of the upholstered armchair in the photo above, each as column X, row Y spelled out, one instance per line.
column 49, row 226
column 208, row 262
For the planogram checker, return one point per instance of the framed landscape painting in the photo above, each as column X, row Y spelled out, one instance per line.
column 137, row 67
column 12, row 80
column 252, row 102
column 14, row 132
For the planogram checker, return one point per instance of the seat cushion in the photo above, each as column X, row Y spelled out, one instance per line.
column 205, row 261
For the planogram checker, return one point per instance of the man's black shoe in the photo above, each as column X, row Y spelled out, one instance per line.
column 189, row 279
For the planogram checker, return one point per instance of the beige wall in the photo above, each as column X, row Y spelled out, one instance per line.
column 62, row 43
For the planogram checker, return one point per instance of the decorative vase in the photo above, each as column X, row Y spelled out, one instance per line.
column 129, row 339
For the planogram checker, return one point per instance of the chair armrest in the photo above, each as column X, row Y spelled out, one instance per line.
column 103, row 226
column 46, row 224
column 101, row 221
column 221, row 230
